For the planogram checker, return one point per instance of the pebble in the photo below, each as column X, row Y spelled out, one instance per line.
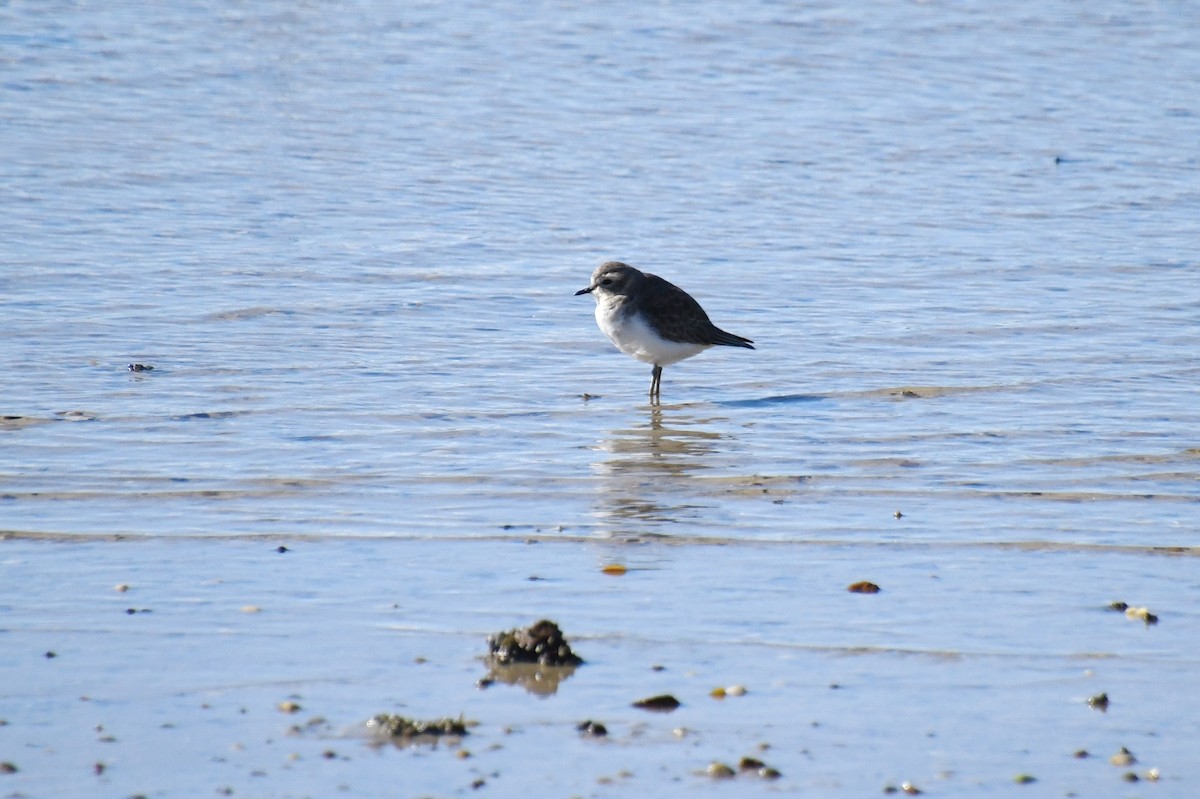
column 1123, row 758
column 719, row 771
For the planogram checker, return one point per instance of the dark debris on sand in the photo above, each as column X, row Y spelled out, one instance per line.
column 391, row 725
column 541, row 643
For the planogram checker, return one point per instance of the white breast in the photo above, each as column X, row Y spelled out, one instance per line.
column 635, row 338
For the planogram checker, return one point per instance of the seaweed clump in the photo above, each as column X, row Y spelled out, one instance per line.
column 390, row 725
column 542, row 643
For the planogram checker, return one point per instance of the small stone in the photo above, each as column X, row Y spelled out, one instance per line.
column 1129, row 776
column 251, row 609
column 1141, row 614
column 289, row 707
column 735, row 690
column 593, row 729
column 910, row 789
column 121, row 587
column 1080, row 754
column 1024, row 779
column 1123, row 758
column 1099, row 702
column 615, row 569
column 1152, row 775
column 863, row 587
column 8, row 768
column 719, row 771
column 663, row 703
column 750, row 764
column 1118, row 606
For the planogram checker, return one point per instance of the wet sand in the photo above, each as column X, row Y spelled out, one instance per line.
column 227, row 667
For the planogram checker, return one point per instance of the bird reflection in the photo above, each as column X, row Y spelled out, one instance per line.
column 647, row 474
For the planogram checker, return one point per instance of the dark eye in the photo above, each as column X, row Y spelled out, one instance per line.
column 606, row 281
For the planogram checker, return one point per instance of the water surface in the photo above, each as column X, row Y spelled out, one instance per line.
column 347, row 239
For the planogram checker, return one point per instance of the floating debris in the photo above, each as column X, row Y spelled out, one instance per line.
column 390, row 725
column 592, row 729
column 863, row 587
column 1099, row 702
column 663, row 703
column 541, row 643
column 1123, row 758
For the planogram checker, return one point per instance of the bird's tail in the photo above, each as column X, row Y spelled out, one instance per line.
column 730, row 340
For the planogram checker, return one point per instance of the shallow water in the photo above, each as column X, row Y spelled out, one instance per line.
column 347, row 239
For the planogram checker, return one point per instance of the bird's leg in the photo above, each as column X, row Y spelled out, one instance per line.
column 655, row 382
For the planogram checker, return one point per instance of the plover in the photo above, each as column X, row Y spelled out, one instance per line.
column 653, row 320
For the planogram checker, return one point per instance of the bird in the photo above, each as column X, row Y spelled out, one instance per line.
column 653, row 320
